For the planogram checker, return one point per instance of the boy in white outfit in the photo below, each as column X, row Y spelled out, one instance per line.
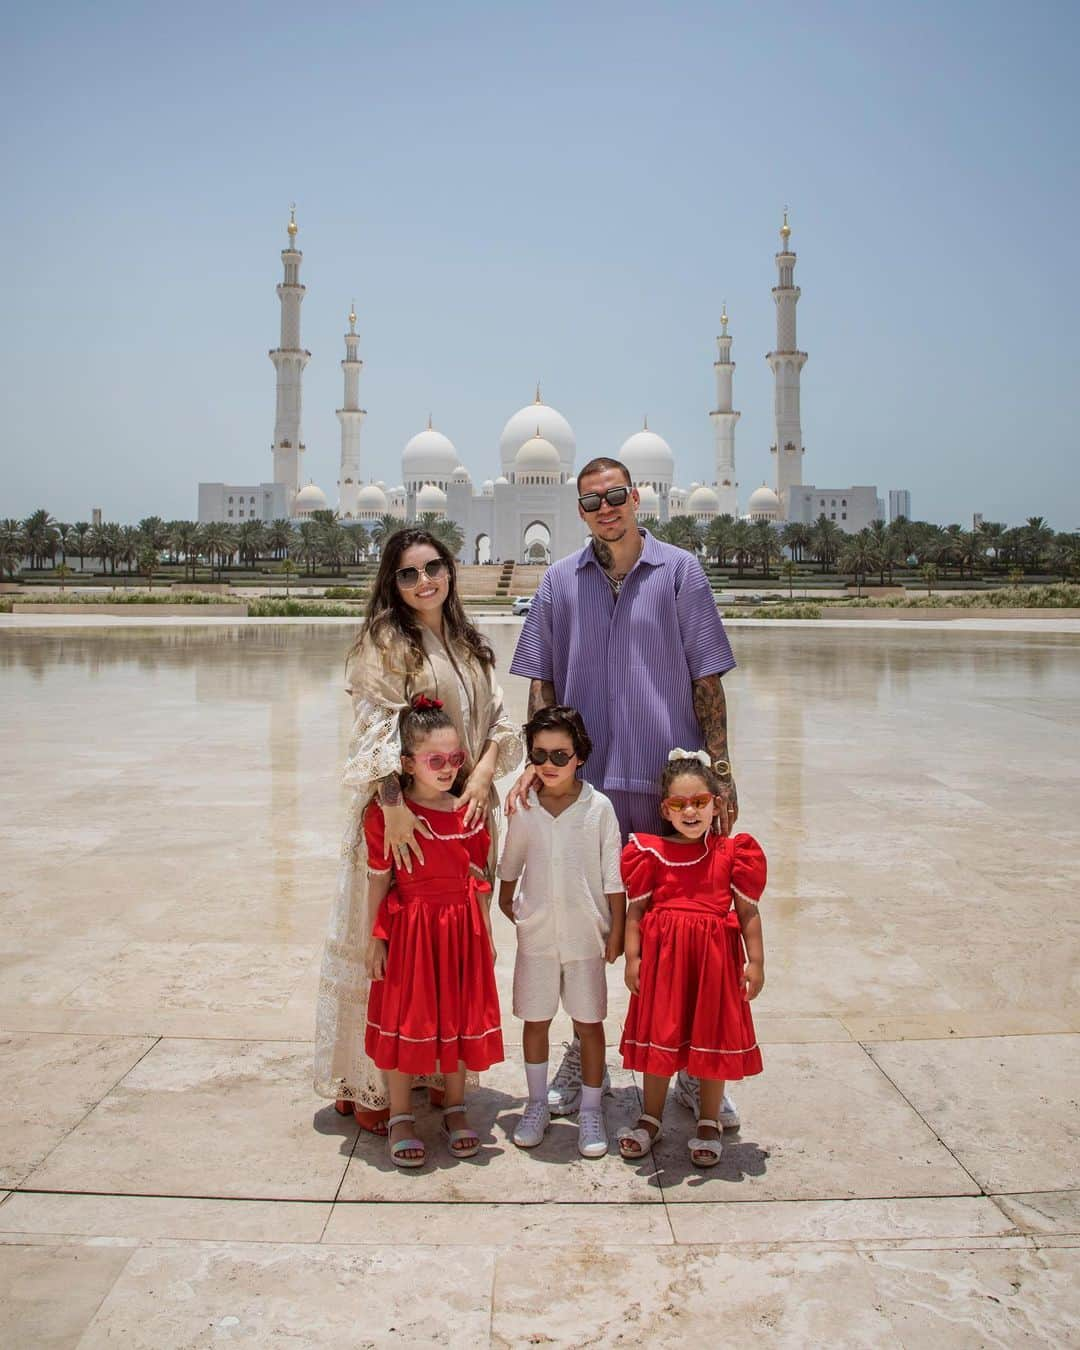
column 569, row 914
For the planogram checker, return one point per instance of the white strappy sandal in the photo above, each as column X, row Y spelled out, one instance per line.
column 712, row 1147
column 642, row 1138
column 453, row 1137
column 400, row 1146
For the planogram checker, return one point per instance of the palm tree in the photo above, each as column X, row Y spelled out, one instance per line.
column 148, row 561
column 766, row 543
column 278, row 537
column 825, row 541
column 384, row 527
column 742, row 544
column 12, row 547
column 789, row 571
column 1065, row 555
column 719, row 537
column 104, row 544
column 990, row 534
column 683, row 532
column 251, row 540
column 184, row 539
column 130, row 545
column 306, row 545
column 929, row 574
column 359, row 542
column 155, row 532
column 858, row 555
column 1038, row 536
column 334, row 546
column 62, row 532
column 40, row 532
column 217, row 543
column 63, row 572
column 796, row 536
column 80, row 533
column 288, row 571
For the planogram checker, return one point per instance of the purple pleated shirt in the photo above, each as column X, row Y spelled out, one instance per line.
column 627, row 664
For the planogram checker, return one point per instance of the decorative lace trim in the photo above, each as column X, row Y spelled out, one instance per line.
column 379, row 871
column 743, row 896
column 633, row 899
column 668, row 862
column 422, row 1040
column 697, row 1049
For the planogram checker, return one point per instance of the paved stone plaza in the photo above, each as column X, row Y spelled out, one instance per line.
column 908, row 1170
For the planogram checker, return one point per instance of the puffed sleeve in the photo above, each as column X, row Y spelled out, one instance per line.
column 638, row 872
column 512, row 862
column 748, row 867
column 375, row 838
column 610, row 851
column 379, row 697
column 505, row 734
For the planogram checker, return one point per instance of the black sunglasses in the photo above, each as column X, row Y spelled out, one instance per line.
column 560, row 758
column 615, row 496
column 408, row 577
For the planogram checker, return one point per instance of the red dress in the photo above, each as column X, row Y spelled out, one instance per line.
column 437, row 1002
column 689, row 1012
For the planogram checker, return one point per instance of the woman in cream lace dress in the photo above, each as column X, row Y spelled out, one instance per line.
column 415, row 640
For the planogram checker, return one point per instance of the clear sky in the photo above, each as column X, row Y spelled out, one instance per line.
column 563, row 192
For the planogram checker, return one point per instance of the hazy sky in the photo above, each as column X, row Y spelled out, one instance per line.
column 563, row 192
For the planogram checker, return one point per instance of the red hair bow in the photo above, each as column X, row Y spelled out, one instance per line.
column 421, row 701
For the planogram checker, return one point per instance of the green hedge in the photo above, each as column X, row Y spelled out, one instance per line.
column 134, row 598
column 297, row 609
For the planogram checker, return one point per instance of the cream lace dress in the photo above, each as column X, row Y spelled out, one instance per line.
column 380, row 688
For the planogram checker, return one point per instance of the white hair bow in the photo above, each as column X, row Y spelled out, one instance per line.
column 702, row 756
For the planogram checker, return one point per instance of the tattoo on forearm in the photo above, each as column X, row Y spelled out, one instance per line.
column 390, row 790
column 541, row 695
column 710, row 709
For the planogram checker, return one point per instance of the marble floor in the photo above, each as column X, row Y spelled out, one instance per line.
column 908, row 1168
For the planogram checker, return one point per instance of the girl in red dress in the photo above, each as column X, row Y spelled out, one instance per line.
column 433, row 1006
column 689, row 895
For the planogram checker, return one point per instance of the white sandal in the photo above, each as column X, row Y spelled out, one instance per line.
column 400, row 1146
column 454, row 1136
column 642, row 1138
column 712, row 1147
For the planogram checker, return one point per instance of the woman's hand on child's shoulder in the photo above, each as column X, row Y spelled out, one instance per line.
column 753, row 980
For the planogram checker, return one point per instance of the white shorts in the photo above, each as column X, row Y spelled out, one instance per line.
column 540, row 980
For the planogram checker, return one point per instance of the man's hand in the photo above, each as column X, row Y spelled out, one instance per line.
column 519, row 793
column 753, row 980
column 375, row 958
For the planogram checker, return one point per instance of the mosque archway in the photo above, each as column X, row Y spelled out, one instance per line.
column 482, row 552
column 536, row 543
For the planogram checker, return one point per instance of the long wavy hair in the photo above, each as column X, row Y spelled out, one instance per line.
column 389, row 617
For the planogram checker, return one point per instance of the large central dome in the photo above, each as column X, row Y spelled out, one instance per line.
column 537, row 419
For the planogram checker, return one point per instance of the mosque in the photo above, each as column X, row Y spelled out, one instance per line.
column 528, row 513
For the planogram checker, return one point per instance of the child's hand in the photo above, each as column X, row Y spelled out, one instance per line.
column 375, row 959
column 614, row 947
column 753, row 980
column 507, row 908
column 632, row 973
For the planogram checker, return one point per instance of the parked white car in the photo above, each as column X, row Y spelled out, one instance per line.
column 522, row 604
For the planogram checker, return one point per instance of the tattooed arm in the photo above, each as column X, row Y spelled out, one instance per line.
column 541, row 695
column 403, row 829
column 710, row 708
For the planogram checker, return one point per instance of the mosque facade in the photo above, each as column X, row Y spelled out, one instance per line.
column 528, row 512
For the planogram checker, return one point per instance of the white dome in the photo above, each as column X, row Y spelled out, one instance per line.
column 460, row 475
column 488, row 487
column 763, row 502
column 703, row 501
column 308, row 499
column 371, row 498
column 429, row 454
column 430, row 498
column 501, row 480
column 553, row 427
column 537, row 456
column 648, row 457
column 650, row 500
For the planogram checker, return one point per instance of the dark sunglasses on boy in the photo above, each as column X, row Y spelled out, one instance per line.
column 408, row 577
column 616, row 496
column 560, row 758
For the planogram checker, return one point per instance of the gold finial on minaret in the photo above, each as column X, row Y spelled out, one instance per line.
column 645, row 422
column 429, row 426
column 352, row 316
column 292, row 226
column 785, row 229
column 723, row 318
column 538, row 399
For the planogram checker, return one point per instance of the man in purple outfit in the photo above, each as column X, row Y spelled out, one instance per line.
column 627, row 632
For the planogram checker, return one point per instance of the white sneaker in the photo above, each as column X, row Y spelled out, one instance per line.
column 564, row 1091
column 533, row 1123
column 592, row 1134
column 688, row 1093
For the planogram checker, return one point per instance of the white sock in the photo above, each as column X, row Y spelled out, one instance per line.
column 536, row 1076
column 591, row 1098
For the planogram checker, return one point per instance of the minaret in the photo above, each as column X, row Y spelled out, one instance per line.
column 289, row 361
column 351, row 417
column 786, row 363
column 724, row 419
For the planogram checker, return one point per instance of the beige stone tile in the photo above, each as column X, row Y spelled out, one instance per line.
column 150, row 1217
column 821, row 1122
column 978, row 1298
column 674, row 1297
column 47, row 1084
column 1005, row 1106
column 209, row 1118
column 46, row 970
column 947, row 1026
column 49, row 1294
column 281, row 1297
column 1043, row 1212
column 217, row 976
column 955, row 1219
column 550, row 1224
column 291, row 1023
column 775, row 1029
column 500, row 1171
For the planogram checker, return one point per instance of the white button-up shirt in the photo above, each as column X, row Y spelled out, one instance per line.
column 571, row 863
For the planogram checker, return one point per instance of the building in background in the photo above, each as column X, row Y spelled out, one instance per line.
column 899, row 504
